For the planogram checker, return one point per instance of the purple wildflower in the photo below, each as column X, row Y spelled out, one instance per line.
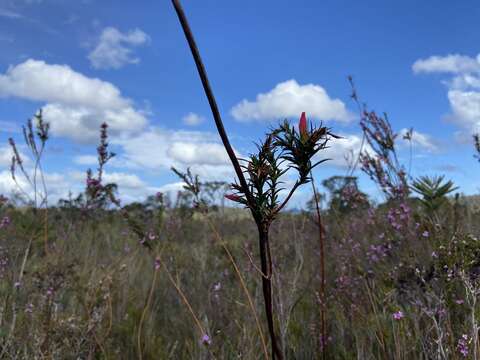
column 398, row 315
column 206, row 340
column 29, row 308
column 462, row 345
column 5, row 222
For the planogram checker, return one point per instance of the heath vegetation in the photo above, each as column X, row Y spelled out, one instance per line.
column 230, row 271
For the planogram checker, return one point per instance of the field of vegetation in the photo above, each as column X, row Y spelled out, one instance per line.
column 230, row 271
column 91, row 278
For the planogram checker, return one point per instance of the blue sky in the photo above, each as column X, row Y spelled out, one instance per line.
column 128, row 63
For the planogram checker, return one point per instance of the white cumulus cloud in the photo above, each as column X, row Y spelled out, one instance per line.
column 6, row 154
column 419, row 139
column 463, row 88
column 157, row 150
column 115, row 49
column 465, row 108
column 348, row 146
column 85, row 160
column 198, row 153
column 76, row 105
column 452, row 63
column 290, row 99
column 192, row 119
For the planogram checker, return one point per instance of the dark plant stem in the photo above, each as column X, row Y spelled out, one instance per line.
column 321, row 238
column 265, row 257
column 285, row 201
column 211, row 99
column 266, row 267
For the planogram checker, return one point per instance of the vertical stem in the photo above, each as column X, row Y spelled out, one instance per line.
column 321, row 238
column 144, row 313
column 45, row 230
column 263, row 233
column 474, row 324
column 266, row 267
column 211, row 98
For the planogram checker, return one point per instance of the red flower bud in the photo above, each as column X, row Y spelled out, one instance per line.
column 302, row 124
column 233, row 197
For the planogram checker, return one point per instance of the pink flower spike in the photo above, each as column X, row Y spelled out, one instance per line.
column 302, row 124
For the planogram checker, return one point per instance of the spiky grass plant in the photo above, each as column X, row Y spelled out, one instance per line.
column 434, row 191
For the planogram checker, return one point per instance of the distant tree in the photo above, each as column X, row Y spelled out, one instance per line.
column 344, row 193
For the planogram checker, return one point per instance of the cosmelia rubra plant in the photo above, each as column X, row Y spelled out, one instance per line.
column 259, row 178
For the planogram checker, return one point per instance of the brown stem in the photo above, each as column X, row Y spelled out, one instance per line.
column 253, row 264
column 266, row 266
column 144, row 313
column 263, row 232
column 211, row 99
column 285, row 201
column 321, row 238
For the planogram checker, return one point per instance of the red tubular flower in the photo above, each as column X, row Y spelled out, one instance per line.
column 302, row 124
column 233, row 197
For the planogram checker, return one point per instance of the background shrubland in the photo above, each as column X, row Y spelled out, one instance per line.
column 178, row 278
column 196, row 277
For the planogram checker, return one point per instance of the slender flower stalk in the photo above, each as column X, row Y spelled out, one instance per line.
column 263, row 233
column 146, row 307
column 321, row 238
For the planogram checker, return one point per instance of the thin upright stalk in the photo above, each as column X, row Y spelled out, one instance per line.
column 262, row 230
column 266, row 267
column 321, row 238
column 211, row 98
column 144, row 313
